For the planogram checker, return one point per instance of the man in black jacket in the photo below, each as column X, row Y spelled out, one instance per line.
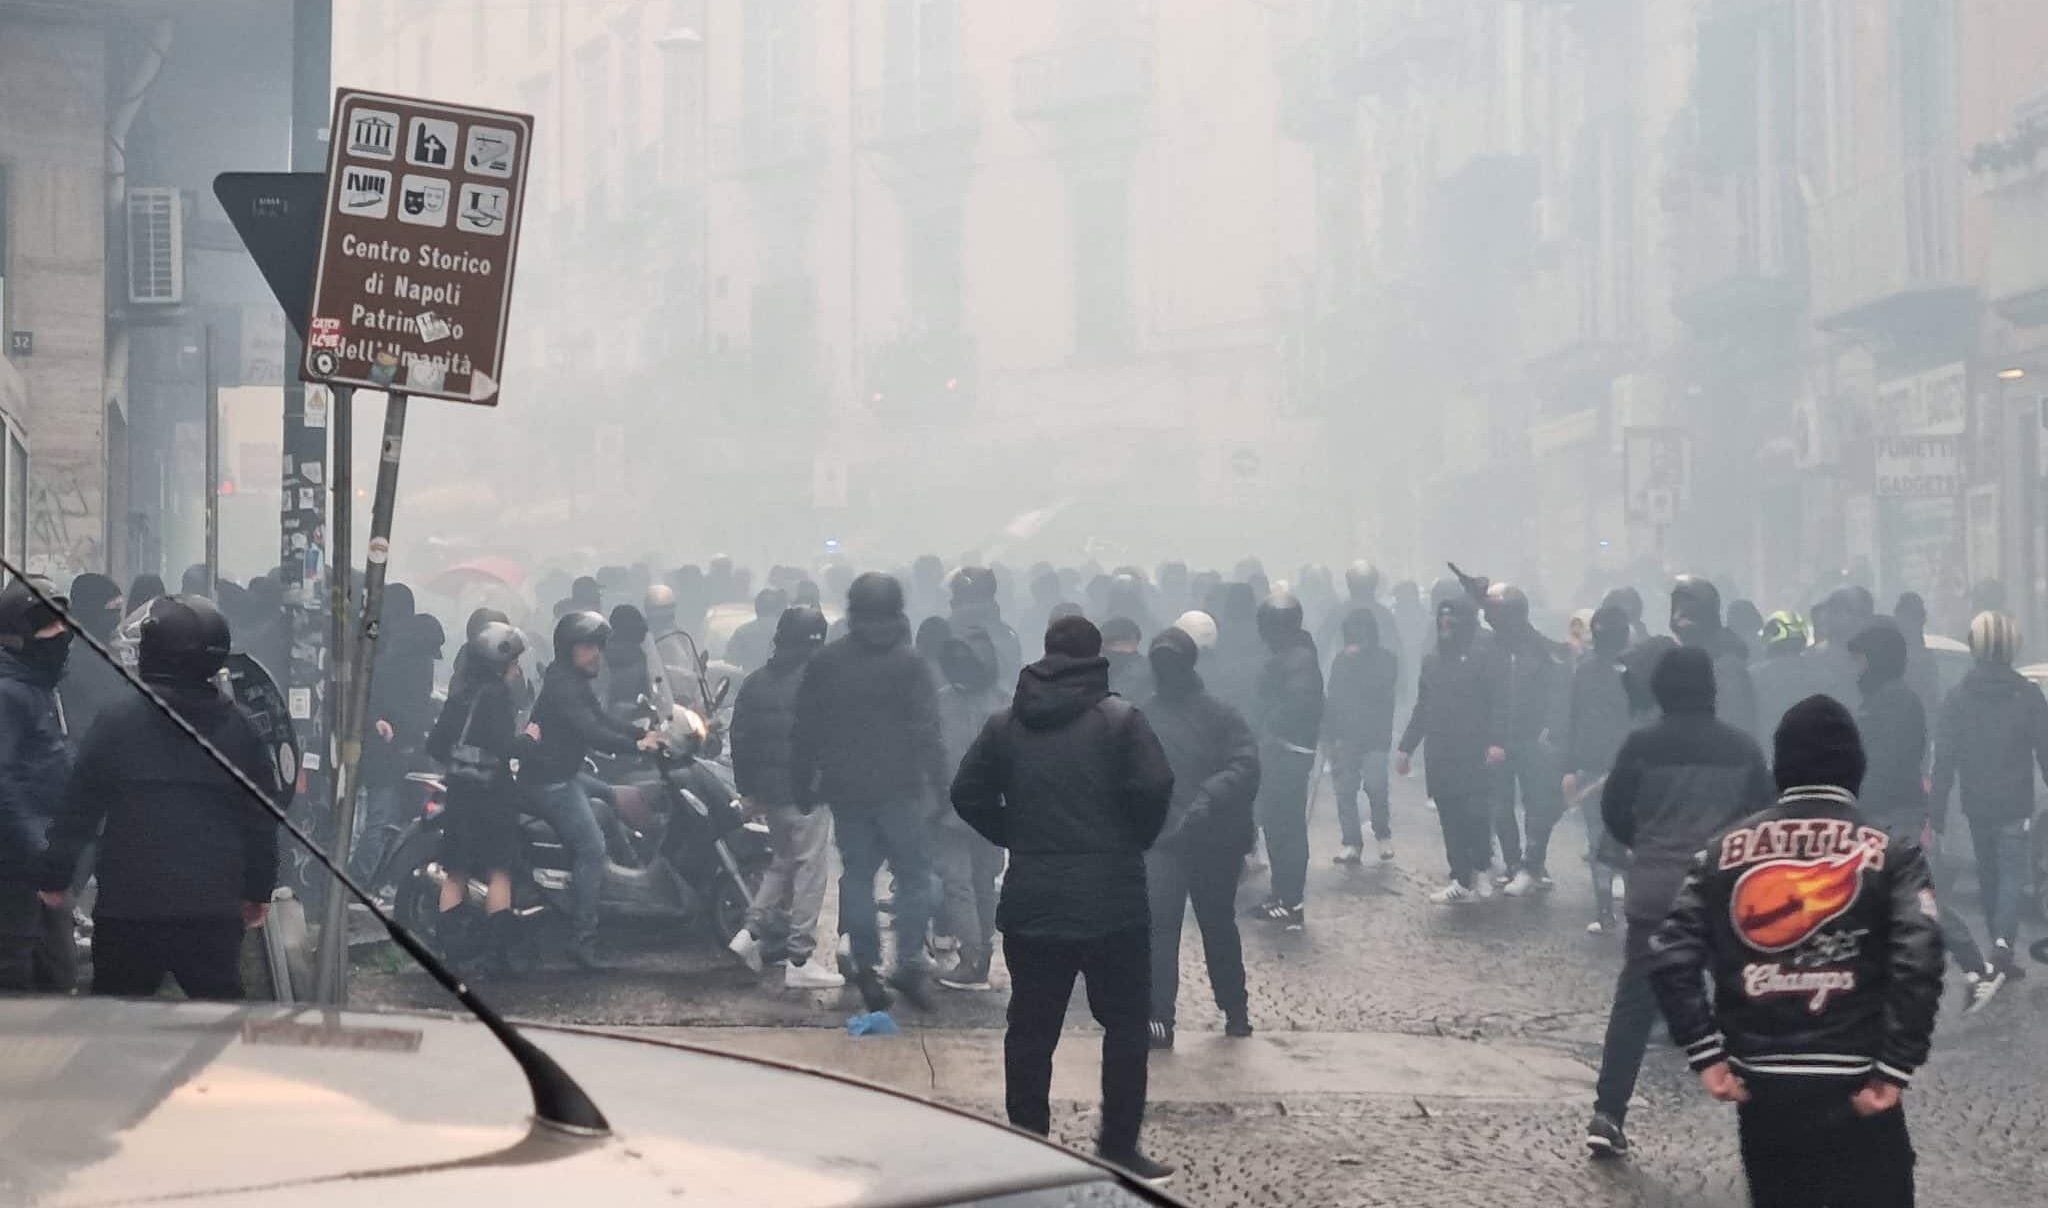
column 1536, row 681
column 186, row 861
column 1460, row 721
column 1199, row 855
column 1818, row 932
column 785, row 912
column 1597, row 721
column 35, row 941
column 1289, row 724
column 1074, row 783
column 867, row 743
column 572, row 725
column 1696, row 622
column 1992, row 734
column 1674, row 784
column 1358, row 728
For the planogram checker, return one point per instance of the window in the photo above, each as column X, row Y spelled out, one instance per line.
column 1099, row 221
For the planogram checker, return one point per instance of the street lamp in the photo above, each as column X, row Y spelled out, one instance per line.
column 2013, row 374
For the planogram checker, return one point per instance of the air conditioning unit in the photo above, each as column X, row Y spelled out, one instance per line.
column 156, row 247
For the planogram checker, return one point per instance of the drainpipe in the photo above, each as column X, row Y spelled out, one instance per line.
column 114, row 375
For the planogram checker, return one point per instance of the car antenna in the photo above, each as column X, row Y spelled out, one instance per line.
column 558, row 1102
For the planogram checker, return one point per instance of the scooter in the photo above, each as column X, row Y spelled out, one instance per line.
column 683, row 849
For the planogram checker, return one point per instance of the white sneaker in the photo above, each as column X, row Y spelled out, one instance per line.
column 811, row 976
column 1454, row 894
column 1521, row 885
column 1484, row 891
column 1350, row 855
column 748, row 949
column 1386, row 849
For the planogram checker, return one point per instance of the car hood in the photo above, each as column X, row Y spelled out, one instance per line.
column 110, row 1102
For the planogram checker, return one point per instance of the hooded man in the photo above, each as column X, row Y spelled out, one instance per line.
column 1921, row 675
column 1362, row 583
column 1991, row 736
column 1199, row 855
column 1074, row 783
column 401, row 713
column 1460, row 722
column 1130, row 673
column 35, row 762
column 92, row 685
column 1597, row 721
column 1537, row 682
column 1696, row 622
column 975, row 607
column 1788, row 674
column 1233, row 673
column 1289, row 724
column 748, row 647
column 1358, row 729
column 968, row 864
column 1894, row 730
column 867, row 743
column 785, row 912
column 1817, row 932
column 1674, row 784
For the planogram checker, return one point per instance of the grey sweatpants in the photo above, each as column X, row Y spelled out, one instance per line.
column 793, row 889
column 968, row 866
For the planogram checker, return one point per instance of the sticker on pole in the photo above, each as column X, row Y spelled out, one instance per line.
column 380, row 551
column 417, row 242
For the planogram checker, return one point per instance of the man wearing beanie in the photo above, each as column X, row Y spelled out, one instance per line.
column 1199, row 856
column 1821, row 934
column 1675, row 783
column 1071, row 779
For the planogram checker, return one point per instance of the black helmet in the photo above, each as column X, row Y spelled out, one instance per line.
column 580, row 629
column 21, row 614
column 184, row 640
column 1279, row 615
column 875, row 594
column 799, row 627
column 496, row 645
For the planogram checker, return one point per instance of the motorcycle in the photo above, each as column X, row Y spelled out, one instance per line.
column 679, row 846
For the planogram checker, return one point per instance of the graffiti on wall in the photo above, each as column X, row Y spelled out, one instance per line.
column 64, row 537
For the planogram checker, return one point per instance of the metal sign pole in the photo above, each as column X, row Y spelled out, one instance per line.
column 341, row 550
column 333, row 989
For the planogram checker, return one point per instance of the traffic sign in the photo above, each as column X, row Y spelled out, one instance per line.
column 419, row 230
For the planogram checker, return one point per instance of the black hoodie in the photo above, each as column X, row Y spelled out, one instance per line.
column 867, row 721
column 1460, row 706
column 1214, row 758
column 1074, row 783
column 1992, row 734
column 1894, row 729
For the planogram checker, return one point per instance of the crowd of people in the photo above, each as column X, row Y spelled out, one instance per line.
column 1135, row 745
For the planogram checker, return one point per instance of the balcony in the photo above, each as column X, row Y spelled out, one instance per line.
column 1080, row 81
column 2017, row 277
column 1315, row 104
column 1887, row 254
column 1738, row 248
column 773, row 141
column 919, row 112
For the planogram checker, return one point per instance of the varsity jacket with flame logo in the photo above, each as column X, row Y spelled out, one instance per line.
column 1822, row 940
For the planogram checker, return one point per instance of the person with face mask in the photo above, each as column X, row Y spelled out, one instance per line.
column 1288, row 720
column 573, row 724
column 1696, row 622
column 1536, row 682
column 35, row 762
column 1130, row 674
column 477, row 737
column 1597, row 720
column 1358, row 727
column 968, row 864
column 91, row 685
column 186, row 861
column 1199, row 855
column 1459, row 722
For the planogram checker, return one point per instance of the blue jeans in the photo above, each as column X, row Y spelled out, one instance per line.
column 566, row 808
column 868, row 835
column 2004, row 854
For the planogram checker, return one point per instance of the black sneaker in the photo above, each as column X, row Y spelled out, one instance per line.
column 915, row 985
column 969, row 976
column 1293, row 918
column 1264, row 910
column 1139, row 1167
column 1237, row 1027
column 1604, row 1137
column 1162, row 1036
column 873, row 995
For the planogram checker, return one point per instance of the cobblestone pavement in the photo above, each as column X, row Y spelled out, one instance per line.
column 1376, row 957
